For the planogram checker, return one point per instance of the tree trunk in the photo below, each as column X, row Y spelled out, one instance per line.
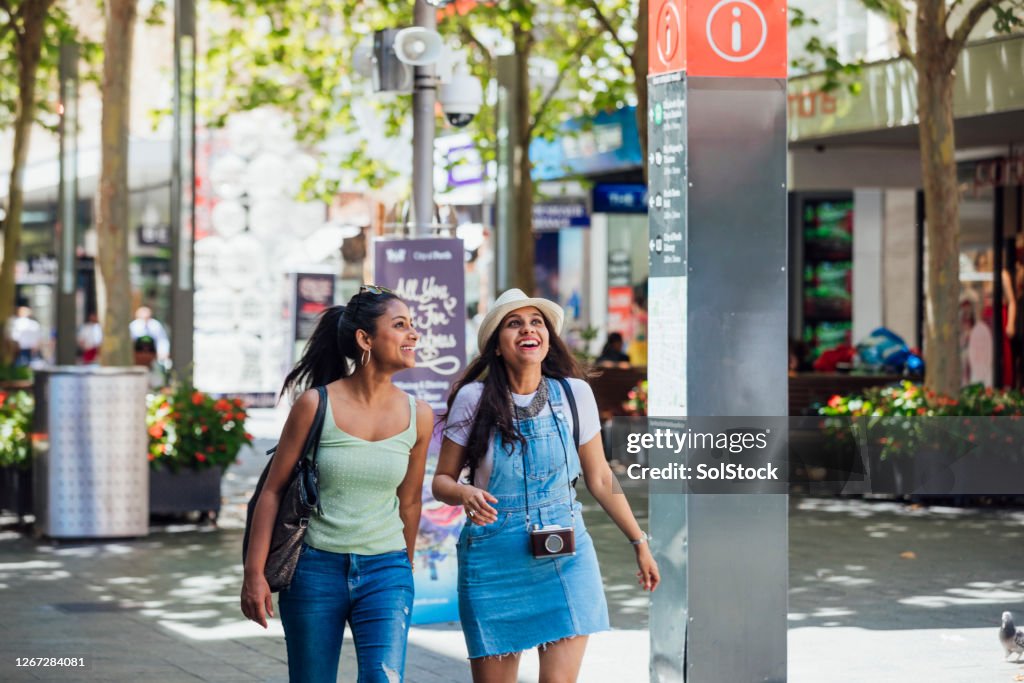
column 114, row 285
column 639, row 62
column 935, row 78
column 29, row 50
column 522, row 179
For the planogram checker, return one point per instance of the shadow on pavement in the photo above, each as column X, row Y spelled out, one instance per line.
column 892, row 566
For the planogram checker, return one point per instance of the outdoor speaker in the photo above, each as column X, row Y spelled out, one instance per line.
column 389, row 74
column 418, row 46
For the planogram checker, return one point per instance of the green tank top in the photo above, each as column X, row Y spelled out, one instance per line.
column 358, row 482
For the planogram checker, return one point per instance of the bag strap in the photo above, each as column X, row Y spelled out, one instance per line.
column 572, row 408
column 316, row 429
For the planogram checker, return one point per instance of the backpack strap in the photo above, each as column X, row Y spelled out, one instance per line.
column 572, row 408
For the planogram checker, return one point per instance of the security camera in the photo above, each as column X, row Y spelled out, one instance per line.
column 461, row 96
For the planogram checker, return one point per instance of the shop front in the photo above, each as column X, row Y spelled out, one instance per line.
column 857, row 223
column 607, row 293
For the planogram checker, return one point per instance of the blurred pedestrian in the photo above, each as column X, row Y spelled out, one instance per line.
column 90, row 337
column 612, row 355
column 355, row 565
column 528, row 573
column 25, row 334
column 145, row 325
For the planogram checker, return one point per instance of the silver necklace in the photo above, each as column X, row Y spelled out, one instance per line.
column 539, row 401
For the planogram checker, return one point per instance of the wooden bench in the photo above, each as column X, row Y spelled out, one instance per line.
column 612, row 386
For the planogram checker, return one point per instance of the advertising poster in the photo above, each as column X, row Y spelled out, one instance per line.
column 428, row 274
column 314, row 293
column 620, row 312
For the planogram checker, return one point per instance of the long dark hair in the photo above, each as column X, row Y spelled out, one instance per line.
column 494, row 414
column 333, row 343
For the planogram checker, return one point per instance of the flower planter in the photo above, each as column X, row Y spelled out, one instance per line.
column 187, row 490
column 16, row 490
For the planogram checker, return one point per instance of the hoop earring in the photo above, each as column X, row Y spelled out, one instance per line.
column 364, row 359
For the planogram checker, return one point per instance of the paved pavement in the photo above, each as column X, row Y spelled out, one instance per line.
column 878, row 592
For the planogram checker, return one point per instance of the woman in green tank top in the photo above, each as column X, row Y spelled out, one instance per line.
column 356, row 564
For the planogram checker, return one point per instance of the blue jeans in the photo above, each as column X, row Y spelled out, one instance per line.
column 373, row 593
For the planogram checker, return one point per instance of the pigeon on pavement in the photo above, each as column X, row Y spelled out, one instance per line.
column 1011, row 637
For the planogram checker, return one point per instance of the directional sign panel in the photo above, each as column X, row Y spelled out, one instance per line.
column 666, row 164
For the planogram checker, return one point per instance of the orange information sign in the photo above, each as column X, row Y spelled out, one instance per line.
column 723, row 38
column 667, row 36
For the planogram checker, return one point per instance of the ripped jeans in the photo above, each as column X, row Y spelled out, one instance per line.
column 373, row 593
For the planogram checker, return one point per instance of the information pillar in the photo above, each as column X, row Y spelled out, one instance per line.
column 717, row 324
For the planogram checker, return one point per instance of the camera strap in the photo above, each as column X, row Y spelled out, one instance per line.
column 526, row 464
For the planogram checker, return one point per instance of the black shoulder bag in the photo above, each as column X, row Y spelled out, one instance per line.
column 299, row 501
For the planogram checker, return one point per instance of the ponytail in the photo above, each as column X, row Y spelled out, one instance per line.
column 332, row 351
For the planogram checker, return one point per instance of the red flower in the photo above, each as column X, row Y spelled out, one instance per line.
column 197, row 398
column 150, row 457
column 204, row 428
column 200, row 457
column 835, row 401
column 249, row 436
column 157, row 430
column 238, row 403
column 3, row 396
column 239, row 417
column 222, row 405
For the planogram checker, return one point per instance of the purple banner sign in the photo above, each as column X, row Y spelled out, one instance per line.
column 429, row 276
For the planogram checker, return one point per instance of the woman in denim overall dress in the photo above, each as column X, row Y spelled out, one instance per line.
column 520, row 587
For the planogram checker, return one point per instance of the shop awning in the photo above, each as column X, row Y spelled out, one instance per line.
column 988, row 102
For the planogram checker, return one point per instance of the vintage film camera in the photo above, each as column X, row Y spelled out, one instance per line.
column 552, row 541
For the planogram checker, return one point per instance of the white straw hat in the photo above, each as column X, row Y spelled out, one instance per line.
column 512, row 300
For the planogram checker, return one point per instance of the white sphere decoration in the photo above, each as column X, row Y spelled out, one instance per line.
column 227, row 173
column 266, row 176
column 269, row 218
column 245, row 135
column 242, row 261
column 206, row 267
column 228, row 218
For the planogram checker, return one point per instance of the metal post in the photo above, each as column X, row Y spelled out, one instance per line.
column 65, row 233
column 717, row 325
column 183, row 187
column 424, row 96
column 506, row 209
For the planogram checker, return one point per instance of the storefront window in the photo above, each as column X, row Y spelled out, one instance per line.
column 989, row 289
column 627, row 283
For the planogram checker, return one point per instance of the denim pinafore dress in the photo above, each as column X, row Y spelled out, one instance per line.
column 510, row 601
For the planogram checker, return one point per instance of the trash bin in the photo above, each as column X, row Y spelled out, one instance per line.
column 91, row 475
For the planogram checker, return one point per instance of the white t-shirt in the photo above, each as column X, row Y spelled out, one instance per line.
column 26, row 332
column 460, row 419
